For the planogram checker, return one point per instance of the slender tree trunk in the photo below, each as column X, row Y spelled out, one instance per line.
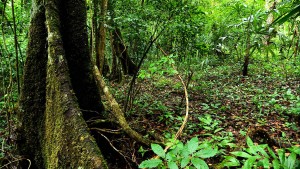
column 128, row 66
column 102, row 38
column 96, row 32
column 247, row 52
column 116, row 73
column 297, row 43
column 16, row 44
column 59, row 89
column 269, row 6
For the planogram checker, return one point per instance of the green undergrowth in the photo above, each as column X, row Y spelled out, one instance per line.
column 199, row 155
column 224, row 106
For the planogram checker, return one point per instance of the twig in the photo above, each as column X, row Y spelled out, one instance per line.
column 107, row 130
column 17, row 161
column 114, row 147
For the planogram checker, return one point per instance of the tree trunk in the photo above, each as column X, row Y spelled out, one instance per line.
column 247, row 52
column 267, row 38
column 102, row 38
column 75, row 39
column 121, row 51
column 100, row 35
column 245, row 65
column 116, row 73
column 59, row 89
column 118, row 47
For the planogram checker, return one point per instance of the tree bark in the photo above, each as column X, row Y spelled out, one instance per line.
column 75, row 39
column 102, row 38
column 128, row 66
column 33, row 93
column 116, row 73
column 56, row 95
column 267, row 38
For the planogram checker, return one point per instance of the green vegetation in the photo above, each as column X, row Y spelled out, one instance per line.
column 239, row 60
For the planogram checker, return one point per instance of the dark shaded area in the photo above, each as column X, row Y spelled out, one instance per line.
column 75, row 39
column 121, row 51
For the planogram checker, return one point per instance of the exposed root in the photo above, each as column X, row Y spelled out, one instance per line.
column 117, row 111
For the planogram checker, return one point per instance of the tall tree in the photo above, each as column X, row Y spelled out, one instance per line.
column 120, row 50
column 59, row 89
column 99, row 34
column 270, row 6
column 102, row 38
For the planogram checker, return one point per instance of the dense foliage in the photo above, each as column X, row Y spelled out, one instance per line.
column 240, row 61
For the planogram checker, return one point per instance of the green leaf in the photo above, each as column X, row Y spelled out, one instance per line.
column 199, row 164
column 258, row 148
column 172, row 165
column 230, row 162
column 219, row 129
column 185, row 153
column 249, row 141
column 295, row 149
column 291, row 160
column 206, row 153
column 264, row 163
column 249, row 163
column 252, row 150
column 276, row 164
column 204, row 145
column 272, row 153
column 241, row 154
column 152, row 163
column 285, row 17
column 170, row 157
column 179, row 145
column 192, row 145
column 184, row 162
column 281, row 155
column 157, row 149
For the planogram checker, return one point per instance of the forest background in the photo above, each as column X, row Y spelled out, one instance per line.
column 227, row 71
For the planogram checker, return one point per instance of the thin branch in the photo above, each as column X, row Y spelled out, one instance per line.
column 125, row 157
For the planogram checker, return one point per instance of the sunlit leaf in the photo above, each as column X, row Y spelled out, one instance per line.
column 157, row 149
column 152, row 163
column 206, row 153
column 199, row 164
column 172, row 165
column 192, row 145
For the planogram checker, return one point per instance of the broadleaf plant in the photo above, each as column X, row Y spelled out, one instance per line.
column 262, row 155
column 180, row 155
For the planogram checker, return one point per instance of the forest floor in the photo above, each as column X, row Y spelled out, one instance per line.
column 224, row 107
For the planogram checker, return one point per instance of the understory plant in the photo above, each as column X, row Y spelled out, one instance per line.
column 262, row 156
column 189, row 155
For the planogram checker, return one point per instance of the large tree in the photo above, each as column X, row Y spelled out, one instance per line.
column 59, row 89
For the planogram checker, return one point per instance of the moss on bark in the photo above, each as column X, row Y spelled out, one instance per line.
column 32, row 99
column 53, row 131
